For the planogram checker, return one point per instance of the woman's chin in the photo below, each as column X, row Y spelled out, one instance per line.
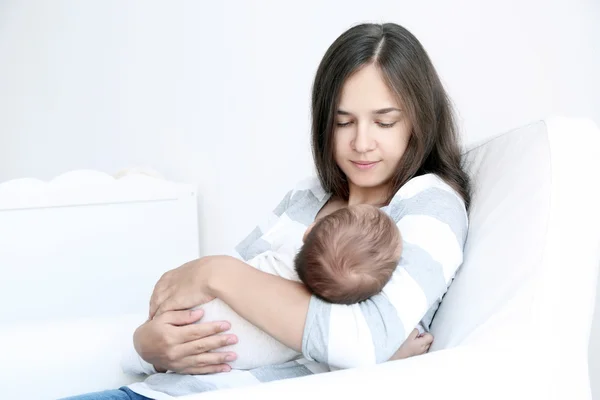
column 366, row 181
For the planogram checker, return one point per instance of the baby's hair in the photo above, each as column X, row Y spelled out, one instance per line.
column 350, row 254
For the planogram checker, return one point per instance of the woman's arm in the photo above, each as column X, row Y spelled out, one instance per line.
column 433, row 223
column 284, row 319
column 168, row 341
column 276, row 305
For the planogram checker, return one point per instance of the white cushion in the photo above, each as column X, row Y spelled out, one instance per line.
column 508, row 220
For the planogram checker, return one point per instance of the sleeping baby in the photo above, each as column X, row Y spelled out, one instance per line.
column 347, row 257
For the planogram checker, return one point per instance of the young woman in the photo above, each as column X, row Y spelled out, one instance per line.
column 382, row 134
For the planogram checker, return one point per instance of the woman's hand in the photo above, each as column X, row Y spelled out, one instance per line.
column 172, row 341
column 414, row 345
column 182, row 288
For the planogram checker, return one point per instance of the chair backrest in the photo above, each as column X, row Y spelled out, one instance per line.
column 510, row 200
column 533, row 247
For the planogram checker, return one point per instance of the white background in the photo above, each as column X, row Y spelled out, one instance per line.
column 217, row 93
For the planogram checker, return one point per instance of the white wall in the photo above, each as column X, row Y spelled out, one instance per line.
column 594, row 352
column 217, row 93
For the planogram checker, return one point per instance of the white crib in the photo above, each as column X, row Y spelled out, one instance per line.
column 79, row 257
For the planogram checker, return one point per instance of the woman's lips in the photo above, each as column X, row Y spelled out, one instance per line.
column 364, row 164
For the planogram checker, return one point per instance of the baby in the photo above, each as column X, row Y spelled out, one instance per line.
column 347, row 257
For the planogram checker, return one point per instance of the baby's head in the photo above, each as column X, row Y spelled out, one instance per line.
column 349, row 255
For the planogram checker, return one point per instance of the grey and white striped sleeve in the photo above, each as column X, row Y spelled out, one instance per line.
column 433, row 222
column 254, row 243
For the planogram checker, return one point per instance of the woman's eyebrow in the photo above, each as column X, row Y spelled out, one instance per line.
column 386, row 110
column 378, row 112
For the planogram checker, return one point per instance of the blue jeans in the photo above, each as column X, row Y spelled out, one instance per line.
column 123, row 393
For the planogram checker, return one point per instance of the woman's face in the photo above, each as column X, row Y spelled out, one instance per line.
column 371, row 130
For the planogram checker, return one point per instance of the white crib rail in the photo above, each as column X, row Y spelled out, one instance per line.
column 86, row 244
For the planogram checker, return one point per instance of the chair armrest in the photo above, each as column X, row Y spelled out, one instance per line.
column 459, row 373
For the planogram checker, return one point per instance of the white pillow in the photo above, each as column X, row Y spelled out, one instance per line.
column 532, row 250
column 508, row 216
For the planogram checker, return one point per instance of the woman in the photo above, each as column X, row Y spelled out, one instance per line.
column 382, row 134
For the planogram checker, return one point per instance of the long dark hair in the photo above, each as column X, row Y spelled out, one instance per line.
column 433, row 146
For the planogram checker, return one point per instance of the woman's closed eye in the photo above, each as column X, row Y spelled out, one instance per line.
column 386, row 125
column 379, row 123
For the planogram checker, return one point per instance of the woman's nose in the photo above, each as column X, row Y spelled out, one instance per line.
column 363, row 141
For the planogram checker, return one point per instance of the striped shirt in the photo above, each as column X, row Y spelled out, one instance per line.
column 433, row 222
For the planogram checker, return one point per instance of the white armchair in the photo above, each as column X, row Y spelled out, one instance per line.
column 515, row 322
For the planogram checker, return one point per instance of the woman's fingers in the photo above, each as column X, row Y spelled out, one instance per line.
column 205, row 344
column 159, row 295
column 209, row 369
column 205, row 360
column 415, row 345
column 180, row 289
column 422, row 343
column 170, row 303
column 202, row 363
column 413, row 335
column 207, row 330
column 193, row 354
column 181, row 318
column 215, row 358
column 426, row 339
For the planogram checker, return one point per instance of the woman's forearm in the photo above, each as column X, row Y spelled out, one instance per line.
column 276, row 305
